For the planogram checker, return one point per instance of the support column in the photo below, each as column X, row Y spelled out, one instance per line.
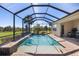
column 29, row 28
column 22, row 27
column 26, row 28
column 13, row 27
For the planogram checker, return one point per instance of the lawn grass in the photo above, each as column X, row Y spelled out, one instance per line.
column 6, row 34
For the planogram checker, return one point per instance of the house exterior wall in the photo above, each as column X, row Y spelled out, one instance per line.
column 58, row 29
column 76, row 24
column 69, row 25
column 69, row 22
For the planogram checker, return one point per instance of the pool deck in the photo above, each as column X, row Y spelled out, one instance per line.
column 71, row 45
column 36, row 51
column 71, row 48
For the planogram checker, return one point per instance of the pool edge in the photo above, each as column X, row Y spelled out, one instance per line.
column 5, row 51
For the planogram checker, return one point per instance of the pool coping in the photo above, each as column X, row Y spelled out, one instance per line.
column 9, row 48
column 68, row 47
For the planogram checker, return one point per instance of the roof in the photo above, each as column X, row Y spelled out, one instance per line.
column 49, row 12
column 70, row 17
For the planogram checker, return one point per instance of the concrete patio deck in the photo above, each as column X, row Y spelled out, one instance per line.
column 71, row 45
column 69, row 48
column 36, row 50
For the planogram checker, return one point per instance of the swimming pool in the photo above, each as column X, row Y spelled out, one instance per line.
column 40, row 44
column 40, row 40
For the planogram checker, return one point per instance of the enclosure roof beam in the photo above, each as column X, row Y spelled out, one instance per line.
column 33, row 10
column 51, row 7
column 42, row 17
column 46, row 14
column 23, row 9
column 19, row 17
column 42, row 6
column 39, row 19
column 53, row 16
column 37, row 6
column 6, row 9
column 67, row 15
column 59, row 9
column 10, row 11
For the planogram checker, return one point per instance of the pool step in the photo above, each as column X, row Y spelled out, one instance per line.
column 47, row 50
column 31, row 50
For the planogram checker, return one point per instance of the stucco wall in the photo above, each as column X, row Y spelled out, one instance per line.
column 76, row 24
column 69, row 22
column 58, row 29
column 69, row 25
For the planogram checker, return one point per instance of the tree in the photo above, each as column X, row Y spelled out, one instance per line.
column 27, row 19
column 38, row 28
column 18, row 29
column 7, row 28
column 45, row 28
column 1, row 29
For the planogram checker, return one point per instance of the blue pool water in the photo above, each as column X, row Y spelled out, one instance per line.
column 40, row 40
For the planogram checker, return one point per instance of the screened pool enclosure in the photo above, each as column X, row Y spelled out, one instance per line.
column 15, row 14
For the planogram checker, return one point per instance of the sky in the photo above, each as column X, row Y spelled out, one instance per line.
column 6, row 18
